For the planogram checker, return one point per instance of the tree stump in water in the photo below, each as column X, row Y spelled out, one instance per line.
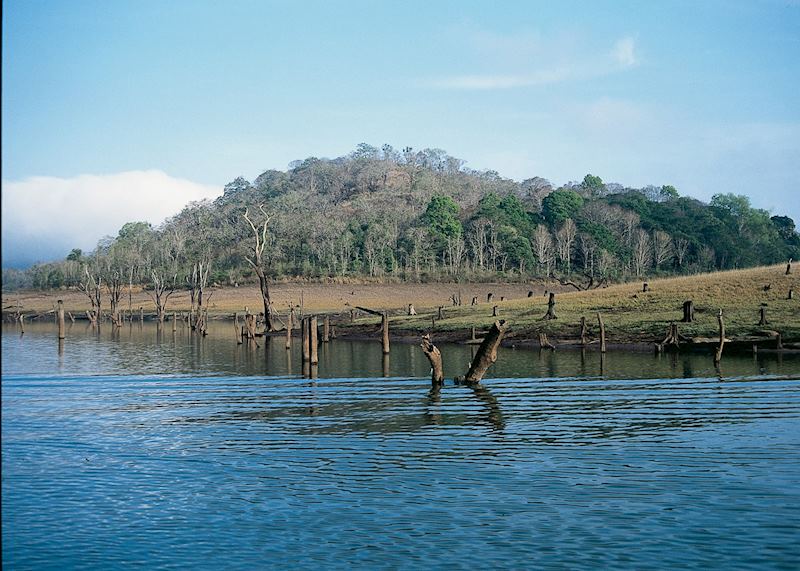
column 487, row 353
column 718, row 352
column 385, row 331
column 435, row 358
column 62, row 331
column 544, row 343
column 304, row 340
column 583, row 332
column 313, row 341
column 688, row 312
column 326, row 329
column 602, row 333
column 551, row 307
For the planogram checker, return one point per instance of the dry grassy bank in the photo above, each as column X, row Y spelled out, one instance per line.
column 633, row 316
column 630, row 315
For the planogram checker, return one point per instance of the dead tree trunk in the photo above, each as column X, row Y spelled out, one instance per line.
column 411, row 310
column 789, row 267
column 487, row 353
column 791, row 294
column 237, row 329
column 289, row 324
column 544, row 343
column 718, row 352
column 62, row 330
column 305, row 340
column 645, row 287
column 441, row 315
column 475, row 300
column 385, row 333
column 313, row 342
column 763, row 316
column 583, row 332
column 489, row 298
column 602, row 332
column 257, row 262
column 326, row 329
column 672, row 339
column 494, row 311
column 688, row 312
column 174, row 321
column 435, row 357
column 551, row 307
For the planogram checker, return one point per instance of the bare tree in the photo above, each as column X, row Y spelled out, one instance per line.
column 256, row 260
column 162, row 290
column 662, row 247
column 91, row 286
column 565, row 237
column 642, row 251
column 543, row 247
column 681, row 248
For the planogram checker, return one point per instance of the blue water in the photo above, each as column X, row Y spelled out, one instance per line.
column 148, row 465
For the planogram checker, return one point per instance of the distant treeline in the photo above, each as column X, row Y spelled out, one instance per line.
column 422, row 215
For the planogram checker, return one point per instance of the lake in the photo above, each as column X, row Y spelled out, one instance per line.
column 144, row 448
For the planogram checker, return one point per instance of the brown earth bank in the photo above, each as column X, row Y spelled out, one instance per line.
column 635, row 318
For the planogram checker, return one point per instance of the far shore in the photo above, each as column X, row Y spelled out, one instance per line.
column 758, row 306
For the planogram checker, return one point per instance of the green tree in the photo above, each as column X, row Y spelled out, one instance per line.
column 441, row 216
column 560, row 205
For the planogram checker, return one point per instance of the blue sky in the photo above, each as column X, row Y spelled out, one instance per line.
column 160, row 101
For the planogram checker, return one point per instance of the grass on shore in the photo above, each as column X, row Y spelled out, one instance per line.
column 631, row 315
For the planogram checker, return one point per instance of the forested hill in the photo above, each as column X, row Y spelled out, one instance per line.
column 423, row 215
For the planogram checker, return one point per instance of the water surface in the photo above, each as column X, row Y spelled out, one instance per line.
column 148, row 449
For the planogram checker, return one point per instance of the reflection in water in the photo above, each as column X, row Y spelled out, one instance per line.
column 201, row 453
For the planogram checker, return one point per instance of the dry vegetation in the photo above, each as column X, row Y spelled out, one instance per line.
column 630, row 314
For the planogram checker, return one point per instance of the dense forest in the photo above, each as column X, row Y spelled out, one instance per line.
column 390, row 214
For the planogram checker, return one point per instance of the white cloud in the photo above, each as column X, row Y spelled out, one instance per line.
column 45, row 217
column 624, row 52
column 571, row 65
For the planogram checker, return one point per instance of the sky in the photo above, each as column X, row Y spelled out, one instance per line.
column 123, row 110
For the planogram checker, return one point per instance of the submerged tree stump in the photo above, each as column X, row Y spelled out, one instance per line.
column 583, row 331
column 305, row 340
column 435, row 358
column 289, row 326
column 313, row 341
column 385, row 333
column 62, row 330
column 551, row 307
column 602, row 332
column 487, row 353
column 718, row 352
column 326, row 329
column 544, row 343
column 688, row 311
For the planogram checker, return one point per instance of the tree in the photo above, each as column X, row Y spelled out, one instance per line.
column 593, row 185
column 565, row 237
column 441, row 216
column 560, row 205
column 256, row 260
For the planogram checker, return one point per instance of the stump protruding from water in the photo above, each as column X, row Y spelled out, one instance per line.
column 718, row 352
column 304, row 336
column 62, row 329
column 487, row 353
column 313, row 341
column 289, row 326
column 238, row 330
column 583, row 331
column 385, row 333
column 326, row 329
column 544, row 343
column 762, row 312
column 435, row 357
column 174, row 321
column 672, row 339
column 551, row 307
column 688, row 311
column 602, row 332
column 141, row 314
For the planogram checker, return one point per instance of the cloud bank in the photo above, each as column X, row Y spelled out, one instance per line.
column 43, row 218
